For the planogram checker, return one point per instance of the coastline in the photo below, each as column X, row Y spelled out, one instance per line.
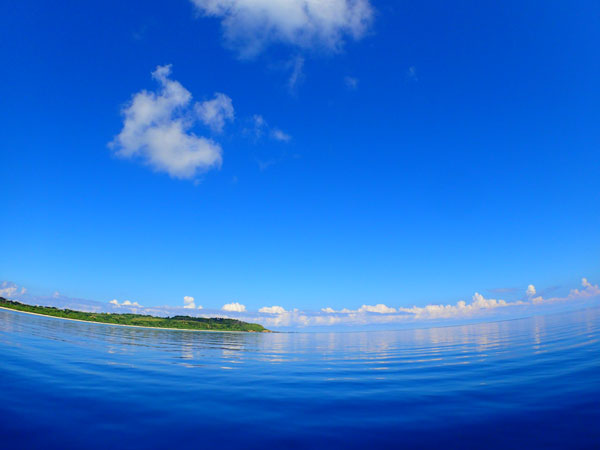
column 132, row 326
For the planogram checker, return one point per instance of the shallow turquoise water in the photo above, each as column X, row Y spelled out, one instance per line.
column 528, row 383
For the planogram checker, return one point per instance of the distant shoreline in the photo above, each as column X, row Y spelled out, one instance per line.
column 129, row 326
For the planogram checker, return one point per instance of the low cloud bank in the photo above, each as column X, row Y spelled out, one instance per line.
column 9, row 290
column 367, row 315
column 115, row 302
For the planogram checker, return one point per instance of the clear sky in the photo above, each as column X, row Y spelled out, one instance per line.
column 301, row 154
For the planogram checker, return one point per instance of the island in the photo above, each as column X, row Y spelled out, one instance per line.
column 139, row 320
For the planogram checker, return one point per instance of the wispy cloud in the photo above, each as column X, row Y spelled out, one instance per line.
column 351, row 83
column 260, row 127
column 297, row 73
column 214, row 113
column 249, row 26
column 411, row 74
column 157, row 129
column 504, row 290
column 272, row 310
column 279, row 135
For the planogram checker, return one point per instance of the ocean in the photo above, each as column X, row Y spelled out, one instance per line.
column 526, row 383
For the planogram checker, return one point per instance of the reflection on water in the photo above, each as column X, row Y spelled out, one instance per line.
column 537, row 377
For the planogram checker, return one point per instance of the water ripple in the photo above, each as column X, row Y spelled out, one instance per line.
column 535, row 382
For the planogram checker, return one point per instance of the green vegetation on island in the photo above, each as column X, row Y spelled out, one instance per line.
column 179, row 322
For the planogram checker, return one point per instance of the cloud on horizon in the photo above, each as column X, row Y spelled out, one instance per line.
column 189, row 303
column 272, row 310
column 276, row 316
column 8, row 289
column 234, row 307
column 116, row 303
column 250, row 26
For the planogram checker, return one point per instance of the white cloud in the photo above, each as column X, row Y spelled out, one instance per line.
column 279, row 135
column 8, row 289
column 156, row 129
column 586, row 284
column 589, row 290
column 214, row 113
column 188, row 302
column 461, row 308
column 272, row 310
column 234, row 307
column 379, row 314
column 351, row 83
column 330, row 310
column 297, row 75
column 260, row 127
column 379, row 308
column 530, row 290
column 125, row 303
column 251, row 25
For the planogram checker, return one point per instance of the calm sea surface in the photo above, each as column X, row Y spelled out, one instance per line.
column 528, row 383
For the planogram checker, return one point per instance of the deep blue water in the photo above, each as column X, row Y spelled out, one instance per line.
column 528, row 383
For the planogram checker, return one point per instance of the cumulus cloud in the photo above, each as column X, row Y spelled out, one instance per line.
column 234, row 307
column 379, row 314
column 214, row 113
column 272, row 310
column 379, row 308
column 188, row 302
column 8, row 289
column 589, row 290
column 251, row 25
column 115, row 302
column 460, row 309
column 156, row 129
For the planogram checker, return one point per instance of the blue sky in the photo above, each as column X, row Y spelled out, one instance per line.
column 374, row 153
